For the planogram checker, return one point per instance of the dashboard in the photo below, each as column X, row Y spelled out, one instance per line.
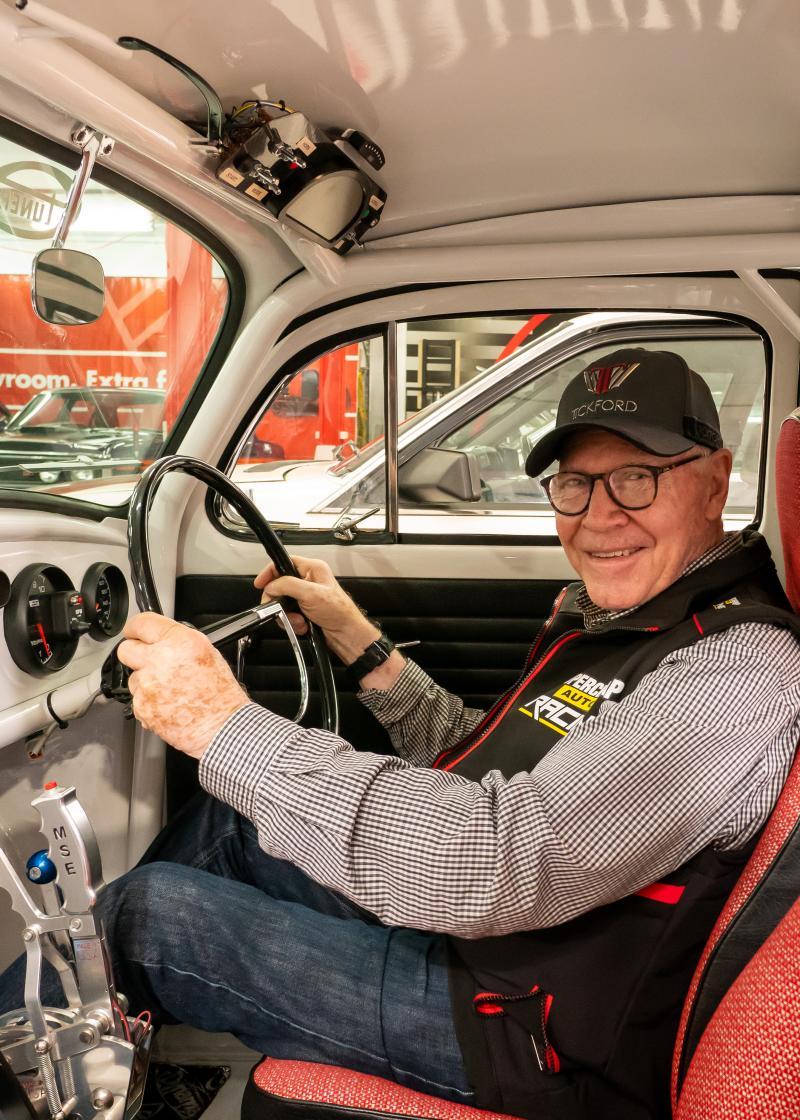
column 65, row 593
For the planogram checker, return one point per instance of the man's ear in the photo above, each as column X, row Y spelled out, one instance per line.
column 718, row 468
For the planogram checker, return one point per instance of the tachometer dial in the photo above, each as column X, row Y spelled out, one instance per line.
column 43, row 620
column 105, row 595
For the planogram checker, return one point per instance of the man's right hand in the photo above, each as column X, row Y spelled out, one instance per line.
column 347, row 630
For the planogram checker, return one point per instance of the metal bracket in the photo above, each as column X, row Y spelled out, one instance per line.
column 92, row 144
column 344, row 529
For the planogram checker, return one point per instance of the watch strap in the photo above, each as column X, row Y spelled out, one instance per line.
column 374, row 655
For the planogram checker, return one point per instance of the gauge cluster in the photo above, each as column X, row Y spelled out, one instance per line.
column 45, row 614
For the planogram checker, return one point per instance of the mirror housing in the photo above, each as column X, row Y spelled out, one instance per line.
column 67, row 287
column 436, row 476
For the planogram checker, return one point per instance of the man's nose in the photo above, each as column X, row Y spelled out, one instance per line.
column 603, row 510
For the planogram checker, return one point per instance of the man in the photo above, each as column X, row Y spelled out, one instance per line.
column 509, row 913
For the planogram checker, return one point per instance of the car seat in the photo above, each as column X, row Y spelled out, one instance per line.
column 738, row 1047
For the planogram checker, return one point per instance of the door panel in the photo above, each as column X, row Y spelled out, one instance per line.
column 473, row 637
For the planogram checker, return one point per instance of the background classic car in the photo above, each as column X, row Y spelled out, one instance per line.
column 81, row 434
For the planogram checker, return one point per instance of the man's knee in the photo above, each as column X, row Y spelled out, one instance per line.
column 148, row 903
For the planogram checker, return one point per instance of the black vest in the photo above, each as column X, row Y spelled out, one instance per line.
column 577, row 1021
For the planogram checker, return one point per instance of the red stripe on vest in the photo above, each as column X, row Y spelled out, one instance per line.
column 669, row 893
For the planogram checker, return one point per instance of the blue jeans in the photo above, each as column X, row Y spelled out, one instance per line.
column 209, row 930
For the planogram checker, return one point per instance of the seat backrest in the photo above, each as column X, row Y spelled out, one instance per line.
column 722, row 1047
column 787, row 491
column 746, row 1064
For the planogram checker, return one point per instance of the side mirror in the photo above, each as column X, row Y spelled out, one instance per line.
column 67, row 287
column 436, row 476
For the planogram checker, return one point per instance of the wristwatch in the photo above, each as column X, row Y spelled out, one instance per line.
column 374, row 655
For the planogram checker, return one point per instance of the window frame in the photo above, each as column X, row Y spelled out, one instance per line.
column 724, row 326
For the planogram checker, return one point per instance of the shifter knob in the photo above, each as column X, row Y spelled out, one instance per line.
column 40, row 868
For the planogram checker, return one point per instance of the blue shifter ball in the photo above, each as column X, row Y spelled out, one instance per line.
column 40, row 868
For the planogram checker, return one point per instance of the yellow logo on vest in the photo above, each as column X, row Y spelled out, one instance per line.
column 571, row 702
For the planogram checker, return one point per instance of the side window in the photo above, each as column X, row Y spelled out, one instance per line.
column 500, row 436
column 84, row 408
column 304, row 458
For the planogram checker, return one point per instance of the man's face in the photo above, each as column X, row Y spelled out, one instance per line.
column 626, row 557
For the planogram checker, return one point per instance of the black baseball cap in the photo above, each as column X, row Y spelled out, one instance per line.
column 649, row 397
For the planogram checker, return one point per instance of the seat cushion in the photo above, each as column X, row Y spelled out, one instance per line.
column 746, row 1064
column 284, row 1089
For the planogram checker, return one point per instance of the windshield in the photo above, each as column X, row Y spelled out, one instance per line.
column 83, row 409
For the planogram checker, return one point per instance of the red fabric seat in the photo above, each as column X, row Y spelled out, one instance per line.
column 280, row 1088
column 747, row 1063
column 787, row 493
column 737, row 1055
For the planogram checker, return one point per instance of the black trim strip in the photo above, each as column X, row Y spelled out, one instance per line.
column 56, row 503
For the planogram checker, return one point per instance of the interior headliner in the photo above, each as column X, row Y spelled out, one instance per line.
column 496, row 107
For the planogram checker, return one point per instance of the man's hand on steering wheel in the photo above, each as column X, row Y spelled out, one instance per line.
column 324, row 601
column 202, row 694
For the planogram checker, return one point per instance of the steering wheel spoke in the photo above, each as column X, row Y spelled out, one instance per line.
column 238, row 627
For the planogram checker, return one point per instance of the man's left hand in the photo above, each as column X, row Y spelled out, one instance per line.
column 181, row 686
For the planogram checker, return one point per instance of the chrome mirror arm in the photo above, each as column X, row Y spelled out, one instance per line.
column 92, row 144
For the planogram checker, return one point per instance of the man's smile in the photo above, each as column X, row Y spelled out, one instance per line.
column 607, row 554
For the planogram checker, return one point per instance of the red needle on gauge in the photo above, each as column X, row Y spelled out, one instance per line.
column 40, row 628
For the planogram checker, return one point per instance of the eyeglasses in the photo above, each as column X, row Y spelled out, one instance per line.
column 631, row 487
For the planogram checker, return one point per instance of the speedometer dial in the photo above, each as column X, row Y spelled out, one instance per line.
column 105, row 594
column 43, row 620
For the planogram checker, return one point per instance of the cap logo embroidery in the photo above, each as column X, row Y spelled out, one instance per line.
column 602, row 379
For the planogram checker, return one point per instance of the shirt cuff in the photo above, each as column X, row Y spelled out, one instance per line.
column 389, row 705
column 242, row 751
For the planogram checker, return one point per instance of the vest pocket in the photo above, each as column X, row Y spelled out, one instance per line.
column 534, row 1017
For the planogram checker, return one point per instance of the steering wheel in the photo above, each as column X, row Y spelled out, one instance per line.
column 236, row 625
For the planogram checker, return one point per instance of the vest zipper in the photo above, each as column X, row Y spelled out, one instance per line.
column 498, row 710
column 512, row 695
column 491, row 1004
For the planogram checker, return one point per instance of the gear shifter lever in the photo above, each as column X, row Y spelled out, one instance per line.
column 87, row 1053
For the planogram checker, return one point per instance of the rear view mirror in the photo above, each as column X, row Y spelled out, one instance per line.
column 67, row 287
column 437, row 476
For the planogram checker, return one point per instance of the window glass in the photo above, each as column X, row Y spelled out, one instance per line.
column 500, row 437
column 315, row 457
column 84, row 408
column 297, row 460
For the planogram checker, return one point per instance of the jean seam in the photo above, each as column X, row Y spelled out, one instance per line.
column 263, row 1010
column 427, row 1081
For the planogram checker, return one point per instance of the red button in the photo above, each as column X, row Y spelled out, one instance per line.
column 51, row 785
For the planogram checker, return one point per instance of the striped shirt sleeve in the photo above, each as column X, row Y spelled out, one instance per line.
column 422, row 718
